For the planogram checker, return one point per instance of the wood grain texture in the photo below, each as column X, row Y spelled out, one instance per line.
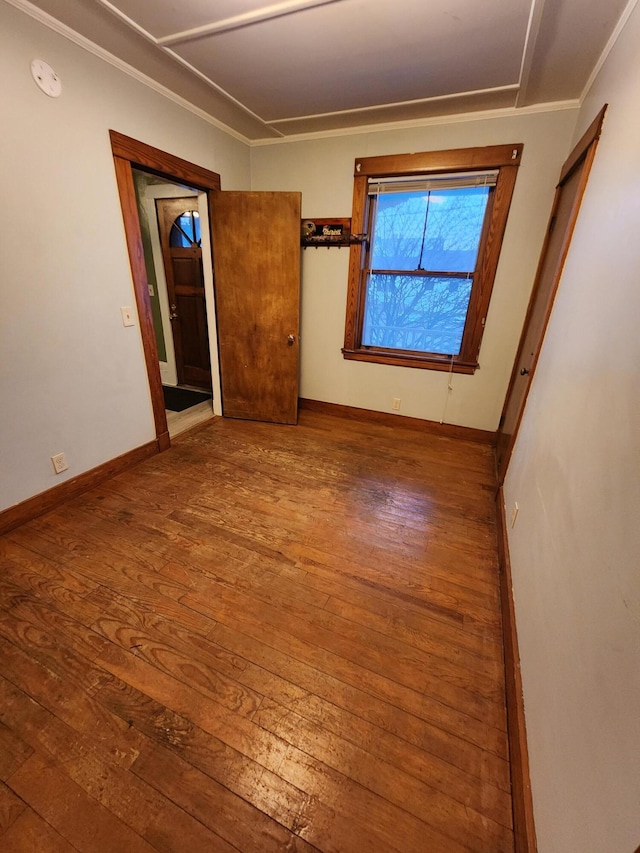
column 506, row 160
column 185, row 289
column 586, row 140
column 127, row 153
column 353, row 319
column 256, row 259
column 135, row 250
column 454, row 159
column 523, row 822
column 162, row 163
column 19, row 514
column 266, row 639
column 30, row 832
column 483, row 436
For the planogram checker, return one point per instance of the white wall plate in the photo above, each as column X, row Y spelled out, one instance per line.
column 46, row 78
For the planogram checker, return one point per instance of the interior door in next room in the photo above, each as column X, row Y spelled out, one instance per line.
column 256, row 259
column 180, row 238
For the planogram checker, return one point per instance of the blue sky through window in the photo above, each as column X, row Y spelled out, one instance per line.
column 186, row 230
column 435, row 231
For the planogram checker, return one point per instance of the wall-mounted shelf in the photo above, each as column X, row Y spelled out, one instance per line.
column 328, row 232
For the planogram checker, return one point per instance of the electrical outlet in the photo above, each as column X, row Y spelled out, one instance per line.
column 59, row 462
column 514, row 514
column 395, row 404
column 127, row 317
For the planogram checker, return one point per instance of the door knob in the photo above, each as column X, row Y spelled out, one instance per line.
column 173, row 315
column 291, row 339
column 524, row 372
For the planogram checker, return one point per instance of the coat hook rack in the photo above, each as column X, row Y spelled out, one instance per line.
column 328, row 232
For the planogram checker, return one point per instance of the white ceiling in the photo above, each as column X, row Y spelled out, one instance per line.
column 297, row 66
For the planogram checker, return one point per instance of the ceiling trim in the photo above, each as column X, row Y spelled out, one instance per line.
column 454, row 96
column 456, row 118
column 129, row 22
column 91, row 47
column 197, row 73
column 531, row 38
column 613, row 38
column 246, row 19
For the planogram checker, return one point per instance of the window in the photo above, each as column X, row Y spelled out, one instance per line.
column 185, row 231
column 420, row 283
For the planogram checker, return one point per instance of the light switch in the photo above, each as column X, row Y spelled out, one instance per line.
column 127, row 317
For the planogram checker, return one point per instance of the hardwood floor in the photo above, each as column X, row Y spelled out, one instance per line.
column 179, row 422
column 266, row 639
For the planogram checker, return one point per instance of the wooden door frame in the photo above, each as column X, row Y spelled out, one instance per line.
column 583, row 153
column 128, row 154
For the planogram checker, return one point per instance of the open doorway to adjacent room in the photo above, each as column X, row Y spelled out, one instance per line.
column 177, row 253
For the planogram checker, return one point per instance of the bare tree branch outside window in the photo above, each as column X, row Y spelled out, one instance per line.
column 422, row 258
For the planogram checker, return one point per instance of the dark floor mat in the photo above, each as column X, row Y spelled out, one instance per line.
column 179, row 399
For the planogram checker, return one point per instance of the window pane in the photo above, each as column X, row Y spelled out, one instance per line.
column 185, row 230
column 434, row 230
column 421, row 313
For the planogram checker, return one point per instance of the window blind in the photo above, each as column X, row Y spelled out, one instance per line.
column 424, row 183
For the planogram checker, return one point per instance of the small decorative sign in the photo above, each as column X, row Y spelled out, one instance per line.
column 326, row 232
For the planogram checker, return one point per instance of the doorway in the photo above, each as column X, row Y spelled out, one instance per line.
column 189, row 390
column 181, row 244
column 564, row 213
column 129, row 154
column 260, row 233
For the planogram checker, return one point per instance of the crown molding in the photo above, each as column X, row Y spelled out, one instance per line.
column 91, row 47
column 613, row 38
column 457, row 118
column 147, row 36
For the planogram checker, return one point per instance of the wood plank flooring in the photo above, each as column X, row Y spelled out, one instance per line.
column 266, row 639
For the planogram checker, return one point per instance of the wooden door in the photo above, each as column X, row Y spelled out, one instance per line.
column 181, row 243
column 256, row 260
column 569, row 192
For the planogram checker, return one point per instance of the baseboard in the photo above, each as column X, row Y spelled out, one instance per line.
column 523, row 824
column 16, row 515
column 480, row 436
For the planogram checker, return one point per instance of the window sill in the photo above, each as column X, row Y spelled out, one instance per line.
column 406, row 359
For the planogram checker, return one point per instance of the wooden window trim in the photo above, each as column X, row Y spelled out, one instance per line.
column 505, row 158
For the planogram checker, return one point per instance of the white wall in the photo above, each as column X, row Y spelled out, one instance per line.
column 323, row 170
column 72, row 378
column 575, row 473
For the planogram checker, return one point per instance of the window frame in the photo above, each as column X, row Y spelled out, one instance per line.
column 504, row 158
